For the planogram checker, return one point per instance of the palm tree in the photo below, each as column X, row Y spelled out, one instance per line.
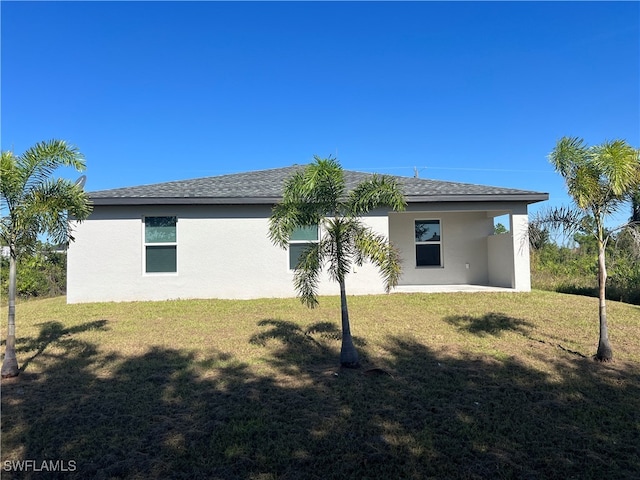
column 600, row 179
column 317, row 196
column 34, row 204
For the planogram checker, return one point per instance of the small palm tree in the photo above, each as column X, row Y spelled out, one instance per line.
column 317, row 196
column 34, row 204
column 600, row 179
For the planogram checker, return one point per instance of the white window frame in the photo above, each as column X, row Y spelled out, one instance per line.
column 428, row 242
column 300, row 242
column 146, row 244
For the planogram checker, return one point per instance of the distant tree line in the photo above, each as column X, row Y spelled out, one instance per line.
column 42, row 274
column 573, row 269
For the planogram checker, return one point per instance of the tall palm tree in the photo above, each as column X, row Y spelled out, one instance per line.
column 317, row 196
column 34, row 204
column 600, row 179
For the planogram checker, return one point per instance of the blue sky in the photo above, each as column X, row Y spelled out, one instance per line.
column 474, row 92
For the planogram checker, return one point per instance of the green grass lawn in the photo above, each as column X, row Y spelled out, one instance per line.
column 472, row 386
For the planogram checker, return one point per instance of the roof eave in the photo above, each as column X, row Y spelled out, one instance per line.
column 121, row 201
column 532, row 197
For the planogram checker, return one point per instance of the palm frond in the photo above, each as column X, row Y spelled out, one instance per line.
column 619, row 165
column 325, row 178
column 379, row 251
column 282, row 223
column 566, row 219
column 568, row 153
column 289, row 215
column 585, row 185
column 39, row 162
column 307, row 274
column 53, row 203
column 572, row 159
column 378, row 191
column 11, row 181
column 321, row 185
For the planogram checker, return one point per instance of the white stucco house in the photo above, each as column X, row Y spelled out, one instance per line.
column 207, row 238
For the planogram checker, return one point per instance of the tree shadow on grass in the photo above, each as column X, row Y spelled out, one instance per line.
column 54, row 332
column 503, row 419
column 496, row 324
column 489, row 324
column 290, row 332
column 295, row 346
column 175, row 414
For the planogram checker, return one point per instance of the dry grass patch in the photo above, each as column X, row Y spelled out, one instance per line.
column 482, row 385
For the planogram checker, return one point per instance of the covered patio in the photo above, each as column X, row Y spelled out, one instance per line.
column 454, row 247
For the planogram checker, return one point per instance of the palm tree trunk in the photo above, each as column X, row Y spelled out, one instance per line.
column 604, row 353
column 348, row 353
column 10, row 363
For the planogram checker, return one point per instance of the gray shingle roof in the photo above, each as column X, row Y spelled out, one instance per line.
column 265, row 187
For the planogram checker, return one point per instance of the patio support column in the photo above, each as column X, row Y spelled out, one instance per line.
column 521, row 264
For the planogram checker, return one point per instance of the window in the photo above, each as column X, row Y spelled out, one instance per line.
column 428, row 243
column 160, row 245
column 299, row 241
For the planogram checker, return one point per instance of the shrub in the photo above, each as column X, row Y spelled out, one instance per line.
column 42, row 275
column 574, row 270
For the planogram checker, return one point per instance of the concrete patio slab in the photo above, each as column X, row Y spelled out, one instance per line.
column 449, row 288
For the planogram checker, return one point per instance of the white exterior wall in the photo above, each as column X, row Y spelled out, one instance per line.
column 500, row 253
column 222, row 252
